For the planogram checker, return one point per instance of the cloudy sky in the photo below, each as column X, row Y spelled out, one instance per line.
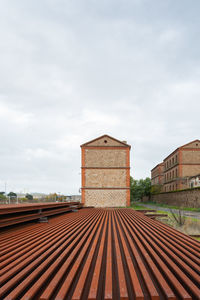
column 72, row 70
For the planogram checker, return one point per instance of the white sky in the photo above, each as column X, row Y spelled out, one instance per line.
column 71, row 71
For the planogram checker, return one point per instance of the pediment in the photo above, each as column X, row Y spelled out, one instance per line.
column 194, row 144
column 106, row 141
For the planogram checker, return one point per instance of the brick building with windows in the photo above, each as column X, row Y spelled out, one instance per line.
column 105, row 172
column 180, row 165
column 157, row 176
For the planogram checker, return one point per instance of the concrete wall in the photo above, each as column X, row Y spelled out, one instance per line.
column 190, row 198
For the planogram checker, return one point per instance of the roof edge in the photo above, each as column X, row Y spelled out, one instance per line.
column 105, row 135
column 181, row 147
column 160, row 164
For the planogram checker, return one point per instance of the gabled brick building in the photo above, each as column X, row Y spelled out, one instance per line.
column 105, row 172
column 157, row 175
column 179, row 166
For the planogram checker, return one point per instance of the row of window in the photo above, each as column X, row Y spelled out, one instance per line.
column 171, row 175
column 172, row 161
column 171, row 187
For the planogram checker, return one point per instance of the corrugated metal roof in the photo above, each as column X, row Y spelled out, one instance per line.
column 99, row 254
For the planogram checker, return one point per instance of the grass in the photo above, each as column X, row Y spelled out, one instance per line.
column 191, row 225
column 136, row 206
column 172, row 206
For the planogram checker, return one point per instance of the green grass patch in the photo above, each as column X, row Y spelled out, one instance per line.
column 172, row 206
column 137, row 206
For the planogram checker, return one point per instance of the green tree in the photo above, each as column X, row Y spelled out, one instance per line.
column 29, row 197
column 2, row 196
column 140, row 188
column 12, row 195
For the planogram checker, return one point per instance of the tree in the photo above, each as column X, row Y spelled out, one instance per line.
column 12, row 195
column 140, row 188
column 2, row 196
column 29, row 197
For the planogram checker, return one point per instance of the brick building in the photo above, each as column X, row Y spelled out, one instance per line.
column 180, row 165
column 157, row 176
column 105, row 172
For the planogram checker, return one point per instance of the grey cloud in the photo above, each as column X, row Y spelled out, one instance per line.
column 73, row 70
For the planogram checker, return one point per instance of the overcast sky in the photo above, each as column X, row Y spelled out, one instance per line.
column 71, row 71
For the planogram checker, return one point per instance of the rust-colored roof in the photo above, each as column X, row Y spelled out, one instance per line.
column 99, row 254
column 19, row 213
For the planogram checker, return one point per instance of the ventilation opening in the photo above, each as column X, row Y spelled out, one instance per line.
column 105, row 141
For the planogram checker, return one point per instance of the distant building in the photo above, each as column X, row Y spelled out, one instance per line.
column 73, row 198
column 181, row 164
column 157, row 175
column 35, row 195
column 105, row 172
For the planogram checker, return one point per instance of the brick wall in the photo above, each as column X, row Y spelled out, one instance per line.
column 190, row 170
column 101, row 142
column 191, row 156
column 105, row 177
column 105, row 198
column 105, row 158
column 190, row 198
column 194, row 144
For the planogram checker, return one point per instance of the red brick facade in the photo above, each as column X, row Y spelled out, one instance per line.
column 157, row 176
column 179, row 166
